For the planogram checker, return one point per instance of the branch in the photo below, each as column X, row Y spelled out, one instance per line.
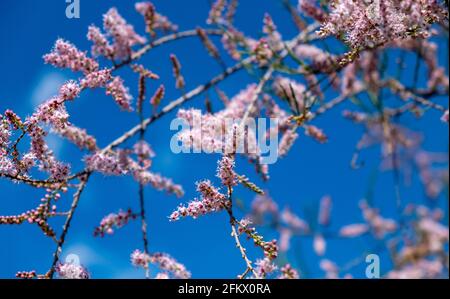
column 165, row 39
column 235, row 234
column 62, row 238
column 178, row 102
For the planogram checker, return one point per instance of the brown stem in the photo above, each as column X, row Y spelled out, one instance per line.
column 235, row 234
column 167, row 38
column 62, row 238
column 141, row 186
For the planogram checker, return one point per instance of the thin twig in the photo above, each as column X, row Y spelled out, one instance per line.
column 235, row 234
column 62, row 238
column 165, row 39
column 141, row 186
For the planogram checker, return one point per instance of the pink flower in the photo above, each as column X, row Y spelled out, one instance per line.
column 350, row 82
column 353, row 230
column 381, row 21
column 381, row 226
column 444, row 117
column 162, row 276
column 262, row 205
column 225, row 171
column 66, row 55
column 316, row 133
column 96, row 79
column 316, row 55
column 423, row 269
column 158, row 182
column 211, row 201
column 294, row 221
column 244, row 226
column 176, row 68
column 169, row 264
column 114, row 220
column 157, row 21
column 123, row 34
column 274, row 38
column 7, row 166
column 58, row 170
column 287, row 141
column 330, row 268
column 325, row 210
column 158, row 96
column 5, row 132
column 52, row 112
column 287, row 272
column 264, row 267
column 26, row 274
column 71, row 271
column 309, row 8
column 319, row 244
column 78, row 136
column 285, row 239
column 101, row 45
column 434, row 228
column 143, row 150
column 220, row 132
column 109, row 163
column 262, row 51
column 215, row 14
column 69, row 91
column 164, row 261
column 270, row 249
column 27, row 162
column 140, row 259
column 120, row 93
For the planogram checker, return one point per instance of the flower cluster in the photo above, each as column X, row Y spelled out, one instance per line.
column 96, row 79
column 122, row 33
column 287, row 272
column 153, row 19
column 316, row 133
column 71, row 271
column 120, row 93
column 377, row 223
column 215, row 14
column 176, row 68
column 114, row 220
column 211, row 200
column 66, row 55
column 381, row 21
column 78, row 136
column 264, row 267
column 109, row 163
column 162, row 260
column 119, row 162
column 225, row 171
column 26, row 274
column 39, row 215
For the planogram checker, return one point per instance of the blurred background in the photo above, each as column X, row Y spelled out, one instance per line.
column 28, row 30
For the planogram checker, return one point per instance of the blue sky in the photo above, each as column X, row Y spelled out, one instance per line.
column 28, row 30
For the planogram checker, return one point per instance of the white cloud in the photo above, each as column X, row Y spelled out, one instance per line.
column 84, row 254
column 47, row 86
